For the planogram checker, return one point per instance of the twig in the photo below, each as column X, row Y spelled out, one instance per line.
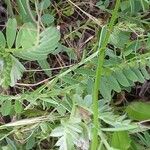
column 34, row 84
column 51, row 69
column 97, row 21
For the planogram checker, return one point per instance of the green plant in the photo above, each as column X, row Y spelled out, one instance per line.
column 30, row 44
column 59, row 114
column 99, row 70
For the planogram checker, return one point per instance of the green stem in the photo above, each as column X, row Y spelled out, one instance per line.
column 98, row 76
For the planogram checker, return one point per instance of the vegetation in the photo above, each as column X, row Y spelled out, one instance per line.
column 74, row 75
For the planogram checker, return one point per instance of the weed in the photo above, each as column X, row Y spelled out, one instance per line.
column 73, row 80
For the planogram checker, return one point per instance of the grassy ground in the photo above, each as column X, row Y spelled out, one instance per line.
column 74, row 75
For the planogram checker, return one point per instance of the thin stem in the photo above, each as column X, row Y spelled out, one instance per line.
column 94, row 19
column 98, row 76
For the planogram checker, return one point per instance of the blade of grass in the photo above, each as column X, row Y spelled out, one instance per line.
column 98, row 75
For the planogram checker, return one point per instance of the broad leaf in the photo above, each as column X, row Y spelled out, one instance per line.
column 11, row 28
column 27, row 36
column 121, row 140
column 139, row 111
column 6, row 107
column 47, row 43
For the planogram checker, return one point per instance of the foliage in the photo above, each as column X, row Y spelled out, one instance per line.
column 57, row 112
column 138, row 111
column 29, row 45
column 121, row 140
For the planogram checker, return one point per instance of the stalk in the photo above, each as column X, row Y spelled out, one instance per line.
column 98, row 76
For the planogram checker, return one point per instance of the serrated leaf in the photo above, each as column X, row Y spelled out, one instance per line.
column 2, row 40
column 11, row 28
column 121, row 140
column 121, row 78
column 68, row 133
column 138, row 111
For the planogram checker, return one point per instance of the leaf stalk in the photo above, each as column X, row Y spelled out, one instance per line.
column 98, row 76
